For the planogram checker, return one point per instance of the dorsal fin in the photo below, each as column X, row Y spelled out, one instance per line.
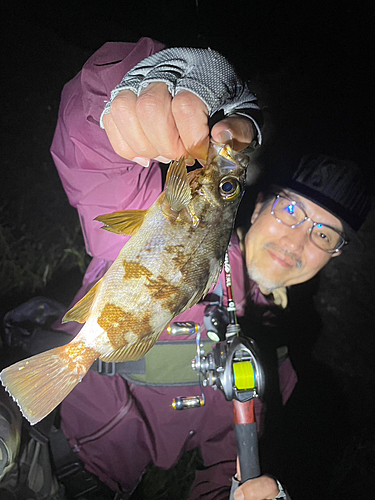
column 131, row 353
column 80, row 312
column 123, row 222
column 178, row 192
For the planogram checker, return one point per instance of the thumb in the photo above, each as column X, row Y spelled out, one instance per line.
column 238, row 495
column 237, row 131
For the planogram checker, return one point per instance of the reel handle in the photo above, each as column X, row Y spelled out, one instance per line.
column 247, row 439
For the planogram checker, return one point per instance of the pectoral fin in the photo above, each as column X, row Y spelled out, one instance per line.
column 123, row 222
column 131, row 353
column 178, row 192
column 80, row 312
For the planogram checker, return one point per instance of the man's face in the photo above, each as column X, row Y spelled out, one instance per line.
column 277, row 255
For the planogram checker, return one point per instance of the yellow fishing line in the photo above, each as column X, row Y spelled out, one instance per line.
column 244, row 376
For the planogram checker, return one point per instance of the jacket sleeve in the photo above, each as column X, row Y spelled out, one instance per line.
column 204, row 72
column 95, row 178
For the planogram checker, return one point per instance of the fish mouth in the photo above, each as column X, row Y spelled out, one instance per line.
column 229, row 158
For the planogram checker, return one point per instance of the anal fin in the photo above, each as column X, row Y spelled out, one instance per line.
column 131, row 353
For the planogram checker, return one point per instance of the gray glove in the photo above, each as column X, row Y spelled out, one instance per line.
column 204, row 72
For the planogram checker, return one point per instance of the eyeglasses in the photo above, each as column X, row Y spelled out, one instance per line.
column 289, row 213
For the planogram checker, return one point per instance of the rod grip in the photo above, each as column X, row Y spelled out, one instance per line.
column 247, row 439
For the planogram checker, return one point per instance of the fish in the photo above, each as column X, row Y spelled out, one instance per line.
column 174, row 255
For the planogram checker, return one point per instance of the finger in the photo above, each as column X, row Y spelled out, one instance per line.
column 238, row 469
column 154, row 112
column 119, row 144
column 191, row 117
column 237, row 129
column 124, row 115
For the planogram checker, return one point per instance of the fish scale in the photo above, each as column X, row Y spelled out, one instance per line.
column 175, row 254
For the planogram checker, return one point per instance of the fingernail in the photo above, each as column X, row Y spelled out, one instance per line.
column 225, row 137
column 238, row 495
column 162, row 159
column 190, row 161
column 145, row 162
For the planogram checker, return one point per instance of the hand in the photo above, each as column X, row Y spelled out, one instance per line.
column 261, row 488
column 155, row 125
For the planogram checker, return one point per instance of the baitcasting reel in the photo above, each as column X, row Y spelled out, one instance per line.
column 232, row 366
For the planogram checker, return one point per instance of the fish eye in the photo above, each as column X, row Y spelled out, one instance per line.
column 229, row 188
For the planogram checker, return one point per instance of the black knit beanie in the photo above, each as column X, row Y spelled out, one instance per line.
column 335, row 185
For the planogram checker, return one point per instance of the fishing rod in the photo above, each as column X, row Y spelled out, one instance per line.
column 245, row 379
column 233, row 366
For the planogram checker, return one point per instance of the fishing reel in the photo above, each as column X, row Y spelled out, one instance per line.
column 233, row 366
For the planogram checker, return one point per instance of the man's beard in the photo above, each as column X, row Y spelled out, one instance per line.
column 266, row 284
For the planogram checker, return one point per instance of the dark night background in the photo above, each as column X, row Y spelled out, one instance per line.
column 311, row 64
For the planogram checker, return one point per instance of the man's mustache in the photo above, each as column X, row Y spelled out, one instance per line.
column 286, row 253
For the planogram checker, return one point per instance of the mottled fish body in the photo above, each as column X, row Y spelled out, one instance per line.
column 175, row 254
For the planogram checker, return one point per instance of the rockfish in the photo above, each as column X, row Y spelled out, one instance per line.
column 175, row 253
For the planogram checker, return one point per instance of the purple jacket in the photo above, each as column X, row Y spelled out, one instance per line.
column 117, row 427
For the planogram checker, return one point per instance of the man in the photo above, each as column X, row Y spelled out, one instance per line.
column 119, row 424
column 98, row 181
column 159, row 112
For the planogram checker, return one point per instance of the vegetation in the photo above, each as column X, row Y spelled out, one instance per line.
column 40, row 239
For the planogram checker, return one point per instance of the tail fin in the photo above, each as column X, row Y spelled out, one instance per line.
column 38, row 384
